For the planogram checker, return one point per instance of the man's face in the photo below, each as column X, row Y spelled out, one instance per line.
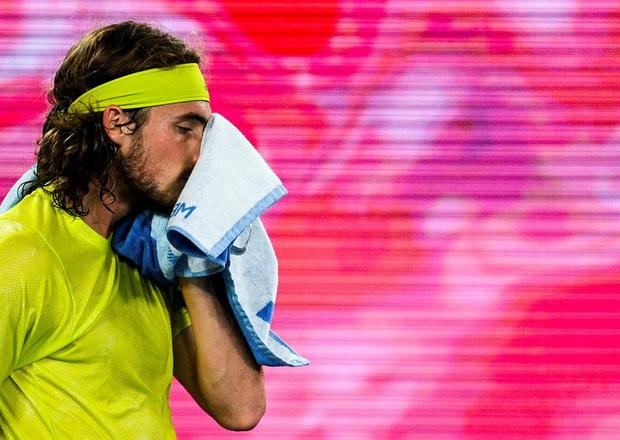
column 162, row 154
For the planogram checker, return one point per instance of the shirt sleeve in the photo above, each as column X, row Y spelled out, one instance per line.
column 180, row 321
column 179, row 315
column 36, row 308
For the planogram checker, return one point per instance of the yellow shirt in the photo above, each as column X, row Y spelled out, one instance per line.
column 85, row 341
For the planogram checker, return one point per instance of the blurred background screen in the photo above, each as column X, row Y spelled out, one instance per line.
column 448, row 246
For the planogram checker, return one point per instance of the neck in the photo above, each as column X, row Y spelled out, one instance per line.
column 101, row 218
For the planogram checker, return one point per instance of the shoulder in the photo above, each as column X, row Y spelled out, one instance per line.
column 36, row 302
column 19, row 243
column 28, row 264
column 29, row 229
column 32, row 275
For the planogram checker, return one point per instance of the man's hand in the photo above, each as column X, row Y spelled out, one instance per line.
column 213, row 362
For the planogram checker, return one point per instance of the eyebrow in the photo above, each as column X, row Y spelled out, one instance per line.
column 192, row 116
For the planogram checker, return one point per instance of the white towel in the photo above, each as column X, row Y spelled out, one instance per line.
column 215, row 223
column 230, row 186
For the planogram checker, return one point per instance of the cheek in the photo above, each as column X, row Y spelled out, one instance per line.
column 171, row 158
column 169, row 154
column 160, row 148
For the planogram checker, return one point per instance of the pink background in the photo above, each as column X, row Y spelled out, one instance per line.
column 448, row 247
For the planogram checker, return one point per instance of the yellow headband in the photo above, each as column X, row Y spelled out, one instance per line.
column 148, row 88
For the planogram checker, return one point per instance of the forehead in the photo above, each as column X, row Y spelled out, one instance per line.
column 180, row 109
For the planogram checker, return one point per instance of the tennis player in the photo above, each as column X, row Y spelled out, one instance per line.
column 88, row 348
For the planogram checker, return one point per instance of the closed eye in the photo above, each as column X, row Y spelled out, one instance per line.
column 184, row 130
column 194, row 120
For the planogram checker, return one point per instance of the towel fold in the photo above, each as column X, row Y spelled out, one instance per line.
column 215, row 227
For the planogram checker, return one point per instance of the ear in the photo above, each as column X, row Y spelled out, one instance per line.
column 113, row 118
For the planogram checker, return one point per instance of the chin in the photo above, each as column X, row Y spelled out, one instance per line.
column 157, row 202
column 163, row 201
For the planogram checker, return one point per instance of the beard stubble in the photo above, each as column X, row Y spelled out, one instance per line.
column 138, row 185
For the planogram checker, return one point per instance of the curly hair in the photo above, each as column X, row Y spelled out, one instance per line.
column 74, row 149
